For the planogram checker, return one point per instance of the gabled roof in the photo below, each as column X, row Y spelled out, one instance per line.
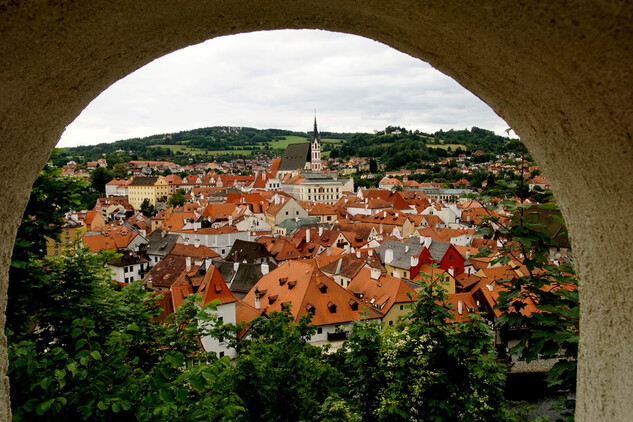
column 295, row 157
column 166, row 272
column 243, row 279
column 402, row 253
column 245, row 251
column 280, row 248
column 194, row 251
column 161, row 243
column 213, row 288
column 143, row 181
column 381, row 293
column 108, row 237
column 300, row 285
column 347, row 266
column 462, row 305
column 219, row 211
column 438, row 249
column 489, row 289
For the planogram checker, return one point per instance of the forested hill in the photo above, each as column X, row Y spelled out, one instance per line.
column 394, row 146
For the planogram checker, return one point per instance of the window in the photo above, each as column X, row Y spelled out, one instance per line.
column 221, row 354
column 319, row 330
column 390, row 322
column 401, row 307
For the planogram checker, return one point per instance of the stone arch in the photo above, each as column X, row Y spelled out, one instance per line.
column 559, row 74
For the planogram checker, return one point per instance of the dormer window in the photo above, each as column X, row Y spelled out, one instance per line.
column 310, row 308
column 291, row 284
column 322, row 288
column 353, row 304
column 272, row 299
column 332, row 307
column 283, row 280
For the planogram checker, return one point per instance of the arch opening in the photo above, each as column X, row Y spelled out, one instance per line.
column 558, row 75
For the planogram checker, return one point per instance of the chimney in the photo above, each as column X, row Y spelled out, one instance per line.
column 380, row 228
column 406, row 248
column 196, row 243
column 188, row 264
column 265, row 268
column 357, row 254
column 451, row 271
column 257, row 297
column 388, row 255
column 162, row 233
column 375, row 274
column 460, row 307
column 320, row 231
column 384, row 214
column 370, row 252
column 236, row 266
column 307, row 235
column 414, row 261
column 468, row 254
column 230, row 220
column 427, row 242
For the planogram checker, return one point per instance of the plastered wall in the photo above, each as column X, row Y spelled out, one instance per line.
column 558, row 72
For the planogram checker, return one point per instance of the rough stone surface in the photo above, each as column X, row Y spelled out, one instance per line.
column 558, row 72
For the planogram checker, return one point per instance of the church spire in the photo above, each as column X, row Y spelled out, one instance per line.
column 316, row 131
column 315, row 149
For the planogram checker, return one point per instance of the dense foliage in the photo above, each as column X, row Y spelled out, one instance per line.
column 426, row 368
column 552, row 331
column 82, row 348
column 395, row 147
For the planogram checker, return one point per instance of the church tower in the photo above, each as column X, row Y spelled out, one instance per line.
column 315, row 147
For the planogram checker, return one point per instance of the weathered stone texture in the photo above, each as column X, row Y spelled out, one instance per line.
column 558, row 72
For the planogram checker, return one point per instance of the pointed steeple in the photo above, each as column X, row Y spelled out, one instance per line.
column 315, row 150
column 316, row 131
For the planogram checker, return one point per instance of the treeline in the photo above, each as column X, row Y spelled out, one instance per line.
column 399, row 148
column 395, row 147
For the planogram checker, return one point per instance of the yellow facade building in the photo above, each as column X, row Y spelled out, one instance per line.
column 152, row 188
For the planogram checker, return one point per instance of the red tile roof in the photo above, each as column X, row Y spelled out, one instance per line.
column 300, row 285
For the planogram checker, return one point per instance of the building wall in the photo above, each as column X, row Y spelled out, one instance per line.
column 227, row 313
column 58, row 59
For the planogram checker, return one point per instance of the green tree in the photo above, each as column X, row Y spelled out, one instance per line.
column 278, row 375
column 178, row 198
column 91, row 333
column 119, row 171
column 373, row 166
column 99, row 177
column 147, row 209
column 553, row 331
column 51, row 197
column 426, row 368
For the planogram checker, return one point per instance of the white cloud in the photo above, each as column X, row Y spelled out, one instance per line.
column 276, row 79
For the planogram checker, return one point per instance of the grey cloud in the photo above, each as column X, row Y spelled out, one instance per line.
column 276, row 79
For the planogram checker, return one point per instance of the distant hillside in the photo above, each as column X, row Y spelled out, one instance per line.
column 395, row 146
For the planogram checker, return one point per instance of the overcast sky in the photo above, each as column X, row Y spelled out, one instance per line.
column 275, row 80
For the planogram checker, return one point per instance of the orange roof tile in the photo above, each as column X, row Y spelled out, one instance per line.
column 381, row 293
column 200, row 251
column 300, row 285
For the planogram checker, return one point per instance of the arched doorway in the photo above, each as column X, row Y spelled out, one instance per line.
column 559, row 75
